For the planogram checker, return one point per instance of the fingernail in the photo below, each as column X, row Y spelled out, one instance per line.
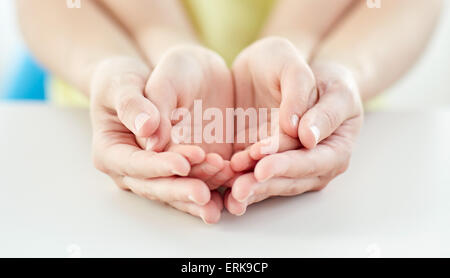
column 204, row 220
column 190, row 197
column 316, row 132
column 245, row 200
column 140, row 120
column 177, row 173
column 294, row 120
column 243, row 212
column 151, row 142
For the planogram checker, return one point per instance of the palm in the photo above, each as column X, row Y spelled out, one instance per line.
column 249, row 94
column 181, row 79
column 254, row 91
column 215, row 90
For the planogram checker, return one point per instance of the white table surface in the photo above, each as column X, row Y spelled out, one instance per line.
column 393, row 201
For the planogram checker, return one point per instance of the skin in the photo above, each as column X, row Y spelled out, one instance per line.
column 319, row 70
column 351, row 63
column 186, row 74
column 282, row 79
column 160, row 176
column 115, row 74
column 184, row 71
column 313, row 166
column 274, row 71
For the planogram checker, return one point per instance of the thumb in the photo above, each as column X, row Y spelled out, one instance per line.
column 324, row 118
column 136, row 112
column 298, row 94
column 339, row 100
column 161, row 92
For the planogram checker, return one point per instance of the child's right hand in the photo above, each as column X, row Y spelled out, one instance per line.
column 120, row 112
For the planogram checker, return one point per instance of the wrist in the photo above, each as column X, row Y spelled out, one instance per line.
column 156, row 41
column 339, row 71
column 302, row 42
column 361, row 70
column 339, row 76
column 195, row 58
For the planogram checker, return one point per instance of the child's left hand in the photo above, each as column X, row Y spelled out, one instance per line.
column 337, row 116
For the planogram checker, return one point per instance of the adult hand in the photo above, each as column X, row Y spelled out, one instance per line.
column 336, row 118
column 120, row 112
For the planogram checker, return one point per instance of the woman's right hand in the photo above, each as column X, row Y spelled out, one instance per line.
column 120, row 113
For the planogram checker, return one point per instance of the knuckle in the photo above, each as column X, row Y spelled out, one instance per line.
column 122, row 187
column 303, row 100
column 295, row 190
column 311, row 169
column 124, row 105
column 130, row 168
column 99, row 164
column 313, row 96
column 120, row 183
column 148, row 192
column 321, row 186
column 150, row 196
column 344, row 166
column 98, row 160
column 323, row 182
column 331, row 118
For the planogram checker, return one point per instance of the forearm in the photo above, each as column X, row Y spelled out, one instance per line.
column 379, row 45
column 155, row 25
column 305, row 22
column 72, row 42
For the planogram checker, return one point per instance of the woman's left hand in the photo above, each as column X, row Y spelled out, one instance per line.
column 335, row 119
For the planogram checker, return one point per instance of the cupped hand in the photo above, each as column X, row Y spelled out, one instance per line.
column 122, row 112
column 184, row 76
column 336, row 118
column 271, row 73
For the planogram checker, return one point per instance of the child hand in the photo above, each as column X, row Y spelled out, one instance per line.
column 183, row 75
column 120, row 111
column 338, row 117
column 271, row 73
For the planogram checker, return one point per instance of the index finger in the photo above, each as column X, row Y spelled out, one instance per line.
column 128, row 160
column 300, row 163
